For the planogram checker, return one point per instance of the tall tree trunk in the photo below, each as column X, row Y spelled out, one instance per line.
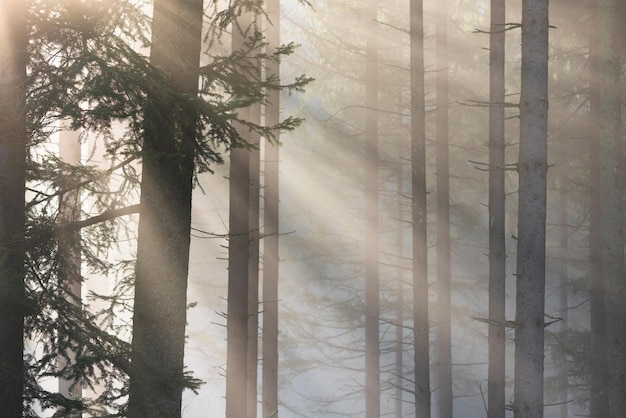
column 497, row 249
column 70, row 252
column 372, row 287
column 599, row 399
column 531, row 249
column 271, row 227
column 253, row 269
column 239, row 255
column 253, row 273
column 156, row 378
column 238, row 271
column 13, row 41
column 444, row 336
column 399, row 348
column 419, row 214
column 611, row 195
column 563, row 286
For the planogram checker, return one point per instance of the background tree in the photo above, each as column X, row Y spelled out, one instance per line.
column 611, row 175
column 419, row 214
column 444, row 276
column 271, row 223
column 497, row 251
column 372, row 280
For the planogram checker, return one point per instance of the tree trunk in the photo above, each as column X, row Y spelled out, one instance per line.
column 239, row 256
column 611, row 195
column 444, row 337
column 419, row 219
column 271, row 228
column 563, row 287
column 372, row 287
column 497, row 247
column 253, row 269
column 156, row 378
column 399, row 346
column 531, row 250
column 599, row 399
column 13, row 41
column 238, row 271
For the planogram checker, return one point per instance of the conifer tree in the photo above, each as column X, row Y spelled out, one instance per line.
column 13, row 142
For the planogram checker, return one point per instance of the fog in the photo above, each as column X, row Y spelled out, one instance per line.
column 322, row 288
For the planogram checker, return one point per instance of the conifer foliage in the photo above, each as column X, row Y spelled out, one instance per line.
column 92, row 66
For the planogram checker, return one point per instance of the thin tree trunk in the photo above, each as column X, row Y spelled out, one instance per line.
column 399, row 352
column 611, row 195
column 253, row 269
column 444, row 337
column 253, row 276
column 13, row 41
column 419, row 219
column 372, row 287
column 159, row 319
column 563, row 287
column 531, row 249
column 271, row 228
column 497, row 247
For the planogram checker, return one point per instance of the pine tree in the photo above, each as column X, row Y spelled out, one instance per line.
column 13, row 59
column 170, row 128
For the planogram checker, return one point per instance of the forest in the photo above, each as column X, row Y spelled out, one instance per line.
column 312, row 208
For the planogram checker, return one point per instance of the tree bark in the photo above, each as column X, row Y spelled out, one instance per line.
column 13, row 58
column 421, row 340
column 156, row 378
column 531, row 250
column 497, row 247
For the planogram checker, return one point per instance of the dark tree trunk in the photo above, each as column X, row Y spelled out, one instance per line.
column 497, row 251
column 13, row 41
column 156, row 379
column 421, row 340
